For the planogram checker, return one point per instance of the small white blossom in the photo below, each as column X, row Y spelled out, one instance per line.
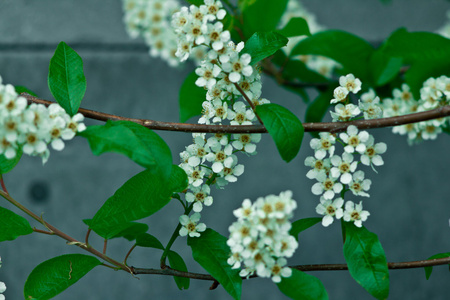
column 343, row 167
column 372, row 155
column 355, row 141
column 359, row 185
column 344, row 113
column 340, row 94
column 190, row 225
column 354, row 213
column 351, row 83
column 330, row 210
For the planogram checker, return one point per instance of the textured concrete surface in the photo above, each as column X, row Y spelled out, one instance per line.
column 409, row 197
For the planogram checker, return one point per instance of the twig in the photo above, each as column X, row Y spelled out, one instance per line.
column 248, row 101
column 437, row 113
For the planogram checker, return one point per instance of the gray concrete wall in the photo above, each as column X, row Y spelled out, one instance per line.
column 409, row 201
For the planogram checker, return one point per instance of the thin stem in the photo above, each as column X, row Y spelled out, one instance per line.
column 128, row 254
column 174, row 236
column 105, row 243
column 86, row 240
column 332, row 127
column 3, row 184
column 43, row 231
column 249, row 101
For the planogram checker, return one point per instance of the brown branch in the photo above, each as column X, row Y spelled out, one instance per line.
column 304, row 268
column 248, row 101
column 437, row 113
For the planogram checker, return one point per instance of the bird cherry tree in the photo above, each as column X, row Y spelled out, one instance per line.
column 404, row 83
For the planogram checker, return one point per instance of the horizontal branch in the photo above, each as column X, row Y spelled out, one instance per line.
column 334, row 127
column 304, row 268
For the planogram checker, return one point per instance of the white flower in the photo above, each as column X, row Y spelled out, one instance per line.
column 340, row 94
column 404, row 94
column 354, row 213
column 228, row 174
column 354, row 140
column 240, row 115
column 372, row 156
column 277, row 270
column 351, row 83
column 344, row 113
column 238, row 66
column 201, row 197
column 207, row 73
column 371, row 110
column 190, row 225
column 246, row 142
column 326, row 186
column 330, row 209
column 359, row 185
column 221, row 159
column 324, row 144
column 318, row 165
column 342, row 167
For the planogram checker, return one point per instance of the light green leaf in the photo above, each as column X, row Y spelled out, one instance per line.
column 303, row 224
column 211, row 251
column 176, row 262
column 55, row 275
column 429, row 270
column 66, row 79
column 263, row 44
column 12, row 225
column 140, row 197
column 261, row 15
column 284, row 128
column 140, row 144
column 295, row 27
column 21, row 89
column 302, row 286
column 191, row 98
column 7, row 165
column 366, row 260
column 352, row 52
column 149, row 241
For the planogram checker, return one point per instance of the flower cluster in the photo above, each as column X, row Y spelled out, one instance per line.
column 30, row 128
column 434, row 93
column 2, row 285
column 322, row 65
column 150, row 19
column 226, row 75
column 337, row 174
column 260, row 238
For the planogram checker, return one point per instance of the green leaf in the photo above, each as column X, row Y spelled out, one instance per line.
column 149, row 241
column 211, row 251
column 284, row 128
column 295, row 27
column 7, row 165
column 303, row 224
column 66, row 79
column 21, row 89
column 384, row 68
column 140, row 144
column 261, row 15
column 263, row 44
column 352, row 52
column 141, row 196
column 132, row 231
column 191, row 98
column 429, row 270
column 302, row 286
column 366, row 260
column 12, row 225
column 196, row 2
column 55, row 275
column 176, row 262
column 317, row 109
column 426, row 53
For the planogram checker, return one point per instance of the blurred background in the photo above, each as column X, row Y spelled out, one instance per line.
column 410, row 196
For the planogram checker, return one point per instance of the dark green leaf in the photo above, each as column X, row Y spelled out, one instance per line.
column 295, row 27
column 317, row 109
column 303, row 224
column 352, row 52
column 21, row 89
column 263, row 44
column 191, row 98
column 7, row 165
column 140, row 197
column 132, row 231
column 66, row 79
column 211, row 251
column 12, row 225
column 429, row 270
column 366, row 260
column 384, row 67
column 178, row 179
column 422, row 70
column 176, row 262
column 55, row 275
column 140, row 144
column 149, row 241
column 302, row 286
column 196, row 2
column 261, row 15
column 284, row 128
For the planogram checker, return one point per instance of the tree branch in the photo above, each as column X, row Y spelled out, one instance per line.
column 333, row 127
